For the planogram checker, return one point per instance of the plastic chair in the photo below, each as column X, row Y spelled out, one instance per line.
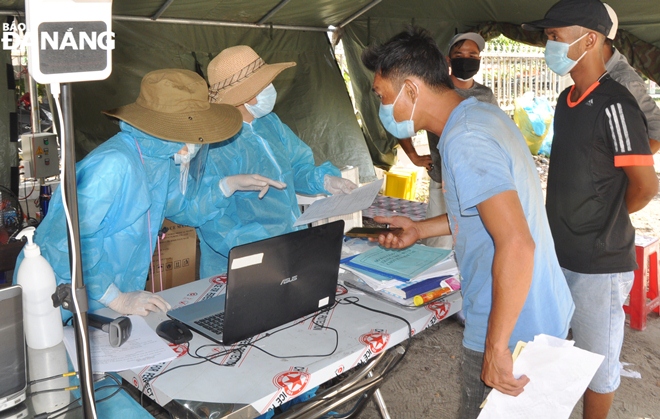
column 644, row 297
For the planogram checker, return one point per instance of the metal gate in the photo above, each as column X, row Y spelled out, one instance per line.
column 513, row 69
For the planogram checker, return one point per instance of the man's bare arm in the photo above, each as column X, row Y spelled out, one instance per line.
column 513, row 265
column 421, row 161
column 642, row 186
column 411, row 231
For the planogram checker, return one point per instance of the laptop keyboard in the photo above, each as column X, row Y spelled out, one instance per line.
column 213, row 323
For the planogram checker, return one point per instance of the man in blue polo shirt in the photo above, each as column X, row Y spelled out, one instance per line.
column 601, row 170
column 513, row 288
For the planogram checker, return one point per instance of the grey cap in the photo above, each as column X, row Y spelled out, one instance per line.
column 472, row 36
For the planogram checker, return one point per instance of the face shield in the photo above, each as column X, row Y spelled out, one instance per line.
column 191, row 160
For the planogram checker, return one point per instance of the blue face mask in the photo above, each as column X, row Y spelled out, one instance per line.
column 556, row 56
column 401, row 130
column 265, row 102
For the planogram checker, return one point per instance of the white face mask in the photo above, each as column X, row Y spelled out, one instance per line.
column 265, row 102
column 556, row 56
column 402, row 129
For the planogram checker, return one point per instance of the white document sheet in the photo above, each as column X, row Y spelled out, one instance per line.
column 558, row 372
column 144, row 347
column 336, row 205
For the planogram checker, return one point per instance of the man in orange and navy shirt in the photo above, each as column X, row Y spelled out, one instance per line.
column 601, row 171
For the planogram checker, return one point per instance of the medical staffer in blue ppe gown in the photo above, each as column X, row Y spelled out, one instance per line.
column 264, row 147
column 123, row 188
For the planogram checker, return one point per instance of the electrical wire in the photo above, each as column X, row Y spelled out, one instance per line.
column 27, row 195
column 67, row 388
column 53, row 377
column 241, row 347
column 53, row 390
column 55, row 87
column 118, row 388
column 251, row 344
column 352, row 300
column 67, row 409
column 27, row 206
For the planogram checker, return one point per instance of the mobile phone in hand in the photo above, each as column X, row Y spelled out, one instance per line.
column 373, row 232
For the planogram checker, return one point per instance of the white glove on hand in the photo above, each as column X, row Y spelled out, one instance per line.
column 338, row 185
column 138, row 302
column 231, row 184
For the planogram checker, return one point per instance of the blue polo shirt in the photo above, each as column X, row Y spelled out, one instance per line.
column 484, row 154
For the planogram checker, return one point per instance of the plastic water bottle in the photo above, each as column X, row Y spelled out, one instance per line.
column 43, row 321
column 44, row 363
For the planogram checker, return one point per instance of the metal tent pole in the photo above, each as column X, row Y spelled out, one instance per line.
column 35, row 119
column 162, row 9
column 272, row 12
column 79, row 318
column 359, row 13
column 219, row 23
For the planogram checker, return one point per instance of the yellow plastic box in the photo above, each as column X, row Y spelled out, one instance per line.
column 401, row 183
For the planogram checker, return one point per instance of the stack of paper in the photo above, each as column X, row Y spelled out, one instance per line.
column 403, row 273
column 558, row 374
column 143, row 348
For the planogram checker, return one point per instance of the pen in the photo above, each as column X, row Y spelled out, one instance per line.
column 424, row 298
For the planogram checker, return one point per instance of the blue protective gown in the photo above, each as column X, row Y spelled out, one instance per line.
column 117, row 195
column 267, row 147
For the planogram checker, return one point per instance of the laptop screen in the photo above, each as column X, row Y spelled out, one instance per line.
column 274, row 281
column 12, row 343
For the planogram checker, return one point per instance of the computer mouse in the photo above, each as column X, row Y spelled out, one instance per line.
column 174, row 331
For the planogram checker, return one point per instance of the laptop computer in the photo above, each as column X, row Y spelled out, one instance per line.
column 13, row 369
column 269, row 283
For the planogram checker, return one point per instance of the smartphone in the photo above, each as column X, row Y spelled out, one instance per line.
column 12, row 348
column 370, row 231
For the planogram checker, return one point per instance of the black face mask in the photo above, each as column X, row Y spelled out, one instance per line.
column 465, row 68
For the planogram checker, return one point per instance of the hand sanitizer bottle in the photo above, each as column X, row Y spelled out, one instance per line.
column 43, row 321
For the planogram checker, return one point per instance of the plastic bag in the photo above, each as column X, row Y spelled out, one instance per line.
column 534, row 117
column 547, row 141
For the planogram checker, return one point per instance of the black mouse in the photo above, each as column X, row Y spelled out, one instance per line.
column 174, row 331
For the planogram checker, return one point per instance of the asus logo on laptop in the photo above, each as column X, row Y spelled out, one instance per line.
column 287, row 280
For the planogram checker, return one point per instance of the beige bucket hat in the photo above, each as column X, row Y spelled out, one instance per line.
column 173, row 105
column 238, row 74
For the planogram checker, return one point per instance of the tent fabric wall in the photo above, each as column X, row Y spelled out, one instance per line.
column 380, row 143
column 312, row 97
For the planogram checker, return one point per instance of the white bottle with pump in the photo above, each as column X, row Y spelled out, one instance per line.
column 43, row 322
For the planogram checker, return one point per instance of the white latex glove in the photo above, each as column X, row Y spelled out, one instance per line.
column 338, row 185
column 138, row 302
column 231, row 184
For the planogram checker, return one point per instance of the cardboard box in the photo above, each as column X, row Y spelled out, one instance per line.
column 178, row 256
